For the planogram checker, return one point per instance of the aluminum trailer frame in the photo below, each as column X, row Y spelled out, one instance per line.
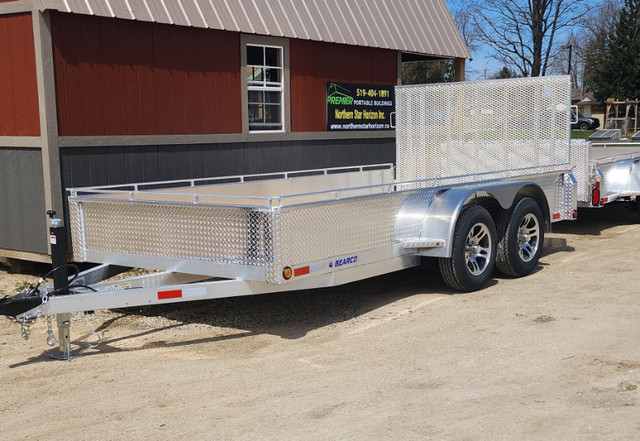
column 472, row 187
column 606, row 173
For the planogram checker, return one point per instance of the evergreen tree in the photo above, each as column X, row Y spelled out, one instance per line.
column 422, row 72
column 505, row 72
column 617, row 74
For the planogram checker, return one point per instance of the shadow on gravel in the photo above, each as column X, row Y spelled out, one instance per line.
column 593, row 221
column 290, row 315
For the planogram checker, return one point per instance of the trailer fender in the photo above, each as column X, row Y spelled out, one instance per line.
column 438, row 219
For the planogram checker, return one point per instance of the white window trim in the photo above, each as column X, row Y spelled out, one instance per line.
column 281, row 43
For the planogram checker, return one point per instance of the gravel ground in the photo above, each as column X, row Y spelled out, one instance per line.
column 552, row 356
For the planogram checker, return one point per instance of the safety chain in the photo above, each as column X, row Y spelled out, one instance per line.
column 25, row 327
column 51, row 338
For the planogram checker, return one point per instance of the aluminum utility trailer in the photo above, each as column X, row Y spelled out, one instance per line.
column 482, row 170
column 607, row 173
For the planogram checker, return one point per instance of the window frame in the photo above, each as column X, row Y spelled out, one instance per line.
column 266, row 42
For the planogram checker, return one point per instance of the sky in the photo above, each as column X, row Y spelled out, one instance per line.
column 482, row 66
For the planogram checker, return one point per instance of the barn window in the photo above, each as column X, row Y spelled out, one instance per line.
column 265, row 87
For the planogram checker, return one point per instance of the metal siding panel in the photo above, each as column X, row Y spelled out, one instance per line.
column 298, row 26
column 177, row 14
column 225, row 14
column 159, row 12
column 355, row 25
column 308, row 21
column 140, row 10
column 369, row 26
column 321, row 21
column 120, row 9
column 387, row 11
column 211, row 15
column 254, row 15
column 239, row 16
column 192, row 10
column 279, row 9
column 430, row 44
column 78, row 6
column 271, row 23
column 394, row 24
column 424, row 33
column 99, row 7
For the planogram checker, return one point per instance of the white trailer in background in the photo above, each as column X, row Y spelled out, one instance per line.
column 607, row 173
column 482, row 171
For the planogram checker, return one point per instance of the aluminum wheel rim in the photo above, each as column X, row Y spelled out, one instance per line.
column 478, row 249
column 528, row 237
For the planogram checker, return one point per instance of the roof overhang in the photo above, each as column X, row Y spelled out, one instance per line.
column 421, row 27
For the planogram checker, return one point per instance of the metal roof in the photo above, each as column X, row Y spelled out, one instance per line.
column 418, row 26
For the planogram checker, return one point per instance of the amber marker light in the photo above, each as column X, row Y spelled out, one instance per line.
column 287, row 272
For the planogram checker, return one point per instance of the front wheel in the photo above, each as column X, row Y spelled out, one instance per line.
column 473, row 251
column 521, row 238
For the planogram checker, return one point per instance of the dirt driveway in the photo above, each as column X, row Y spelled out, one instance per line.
column 553, row 356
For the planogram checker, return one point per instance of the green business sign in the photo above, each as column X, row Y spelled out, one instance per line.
column 359, row 106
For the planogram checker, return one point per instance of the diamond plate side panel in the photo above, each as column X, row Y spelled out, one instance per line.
column 215, row 234
column 462, row 129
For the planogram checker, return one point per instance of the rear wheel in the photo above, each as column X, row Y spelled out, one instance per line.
column 473, row 251
column 521, row 237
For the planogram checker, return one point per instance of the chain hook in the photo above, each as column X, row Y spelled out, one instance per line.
column 51, row 338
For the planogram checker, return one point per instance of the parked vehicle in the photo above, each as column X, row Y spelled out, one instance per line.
column 581, row 122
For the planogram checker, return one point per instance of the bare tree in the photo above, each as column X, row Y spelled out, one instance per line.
column 463, row 16
column 524, row 33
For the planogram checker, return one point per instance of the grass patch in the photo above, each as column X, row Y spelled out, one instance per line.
column 581, row 134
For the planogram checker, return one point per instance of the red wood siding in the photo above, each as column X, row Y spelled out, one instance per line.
column 313, row 64
column 124, row 77
column 18, row 83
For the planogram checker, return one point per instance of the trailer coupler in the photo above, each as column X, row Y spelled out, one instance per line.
column 19, row 304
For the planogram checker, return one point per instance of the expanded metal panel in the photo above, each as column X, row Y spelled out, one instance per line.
column 501, row 127
column 581, row 159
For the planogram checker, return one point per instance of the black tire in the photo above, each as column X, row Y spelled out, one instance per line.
column 584, row 126
column 520, row 238
column 473, row 251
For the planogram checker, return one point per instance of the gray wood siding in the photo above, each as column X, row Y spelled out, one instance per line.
column 23, row 221
column 82, row 166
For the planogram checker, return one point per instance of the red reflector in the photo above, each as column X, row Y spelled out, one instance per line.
column 595, row 196
column 575, row 214
column 301, row 271
column 556, row 215
column 173, row 294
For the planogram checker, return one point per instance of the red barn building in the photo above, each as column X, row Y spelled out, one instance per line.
column 96, row 92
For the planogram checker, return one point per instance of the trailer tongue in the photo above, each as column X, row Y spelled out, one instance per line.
column 476, row 186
